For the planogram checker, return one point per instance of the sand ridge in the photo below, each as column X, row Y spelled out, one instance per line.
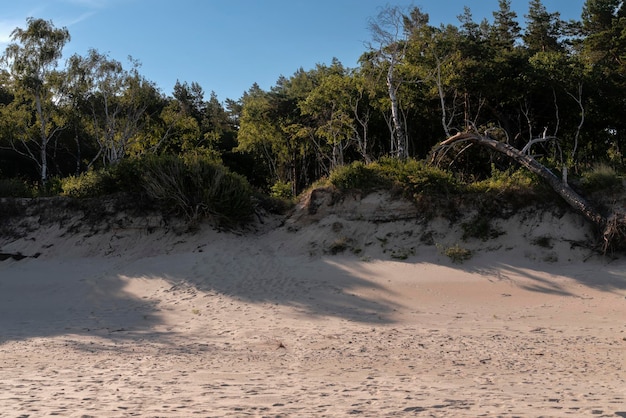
column 132, row 322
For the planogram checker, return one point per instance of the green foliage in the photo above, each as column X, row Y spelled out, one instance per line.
column 601, row 177
column 512, row 82
column 122, row 177
column 281, row 190
column 194, row 186
column 32, row 58
column 505, row 181
column 358, row 176
column 198, row 188
column 458, row 254
column 479, row 227
column 411, row 176
column 416, row 177
column 89, row 184
column 15, row 188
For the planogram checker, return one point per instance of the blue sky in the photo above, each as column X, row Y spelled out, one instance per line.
column 227, row 45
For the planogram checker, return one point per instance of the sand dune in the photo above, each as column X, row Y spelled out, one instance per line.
column 128, row 322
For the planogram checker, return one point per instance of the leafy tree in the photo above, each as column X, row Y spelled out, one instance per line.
column 118, row 100
column 32, row 59
column 273, row 126
column 258, row 134
column 431, row 54
column 390, row 38
column 604, row 50
column 191, row 99
column 328, row 104
column 218, row 127
column 179, row 131
column 604, row 24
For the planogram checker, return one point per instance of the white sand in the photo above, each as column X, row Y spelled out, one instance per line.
column 131, row 323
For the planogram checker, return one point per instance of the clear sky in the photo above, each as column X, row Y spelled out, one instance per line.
column 227, row 45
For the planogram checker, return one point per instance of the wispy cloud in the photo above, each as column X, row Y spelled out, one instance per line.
column 95, row 4
column 78, row 19
column 89, row 8
column 90, row 4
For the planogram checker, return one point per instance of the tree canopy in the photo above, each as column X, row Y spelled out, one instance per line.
column 517, row 78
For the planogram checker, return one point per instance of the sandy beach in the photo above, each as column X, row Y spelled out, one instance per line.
column 320, row 317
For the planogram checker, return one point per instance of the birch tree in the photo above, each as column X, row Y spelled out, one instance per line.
column 390, row 38
column 32, row 60
column 117, row 100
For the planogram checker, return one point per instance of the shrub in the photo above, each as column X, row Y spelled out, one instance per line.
column 124, row 176
column 358, row 176
column 543, row 241
column 89, row 184
column 413, row 177
column 506, row 182
column 198, row 188
column 281, row 190
column 339, row 245
column 458, row 254
column 601, row 177
column 14, row 187
column 416, row 177
column 479, row 227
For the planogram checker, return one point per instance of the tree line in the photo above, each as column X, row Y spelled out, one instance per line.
column 557, row 85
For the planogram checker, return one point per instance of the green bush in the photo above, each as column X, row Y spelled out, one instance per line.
column 89, row 184
column 14, row 187
column 458, row 254
column 479, row 227
column 601, row 177
column 359, row 176
column 124, row 176
column 281, row 190
column 198, row 188
column 416, row 177
column 412, row 176
column 194, row 186
column 509, row 182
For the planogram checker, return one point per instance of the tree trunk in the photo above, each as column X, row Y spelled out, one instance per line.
column 398, row 134
column 613, row 229
column 43, row 141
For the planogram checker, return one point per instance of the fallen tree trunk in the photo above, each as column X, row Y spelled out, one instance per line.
column 613, row 228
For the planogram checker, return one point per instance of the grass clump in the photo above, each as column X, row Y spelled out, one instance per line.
column 479, row 227
column 338, row 246
column 458, row 254
column 543, row 241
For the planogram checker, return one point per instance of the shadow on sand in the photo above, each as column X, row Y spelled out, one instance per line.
column 86, row 296
column 90, row 296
